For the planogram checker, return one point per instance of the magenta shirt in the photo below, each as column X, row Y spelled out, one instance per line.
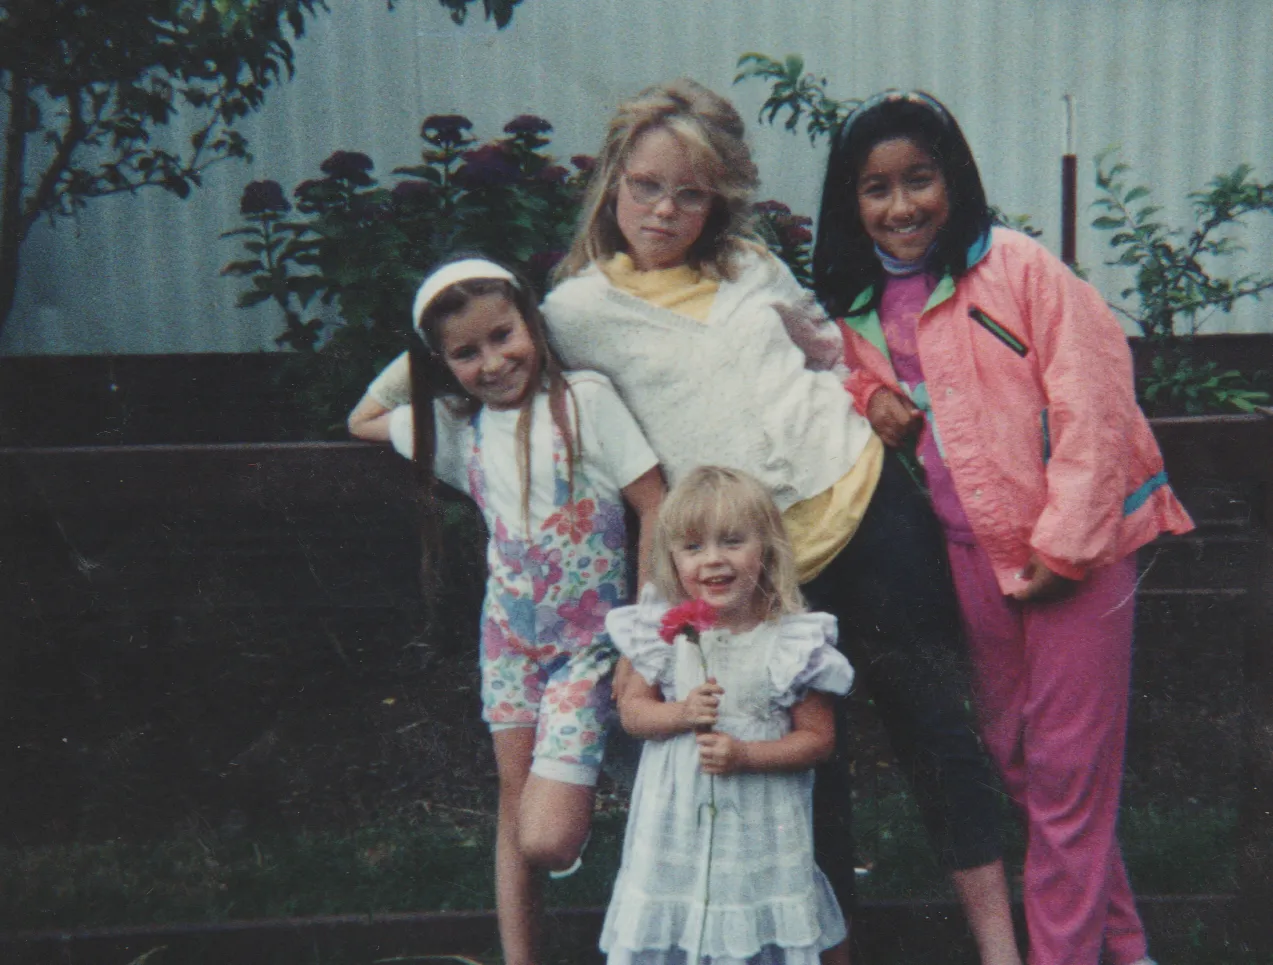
column 903, row 300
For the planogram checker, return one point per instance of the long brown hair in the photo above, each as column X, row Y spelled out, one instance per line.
column 431, row 379
column 712, row 131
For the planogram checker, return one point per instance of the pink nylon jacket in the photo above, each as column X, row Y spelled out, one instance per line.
column 1030, row 381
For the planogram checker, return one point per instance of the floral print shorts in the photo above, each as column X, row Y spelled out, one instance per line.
column 565, row 696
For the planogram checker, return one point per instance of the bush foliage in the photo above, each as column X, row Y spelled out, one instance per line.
column 347, row 241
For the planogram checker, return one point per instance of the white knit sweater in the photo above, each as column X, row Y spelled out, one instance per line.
column 735, row 391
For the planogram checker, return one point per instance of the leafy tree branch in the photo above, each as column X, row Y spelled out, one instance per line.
column 89, row 85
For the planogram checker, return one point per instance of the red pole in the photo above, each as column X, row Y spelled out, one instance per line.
column 1069, row 208
column 1069, row 188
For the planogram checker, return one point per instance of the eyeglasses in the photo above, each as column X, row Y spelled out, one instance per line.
column 648, row 192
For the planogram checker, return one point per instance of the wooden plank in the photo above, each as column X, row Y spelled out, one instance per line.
column 886, row 931
column 1255, row 804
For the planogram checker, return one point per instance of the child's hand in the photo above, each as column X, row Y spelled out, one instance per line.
column 893, row 417
column 1041, row 583
column 719, row 753
column 702, row 706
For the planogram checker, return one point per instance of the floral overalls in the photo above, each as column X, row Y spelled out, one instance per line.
column 546, row 658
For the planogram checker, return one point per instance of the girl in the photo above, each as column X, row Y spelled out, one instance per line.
column 724, row 359
column 549, row 457
column 1007, row 381
column 718, row 855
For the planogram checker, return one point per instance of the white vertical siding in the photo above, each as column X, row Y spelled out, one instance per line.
column 1182, row 85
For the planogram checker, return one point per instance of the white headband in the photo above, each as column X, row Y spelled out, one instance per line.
column 448, row 275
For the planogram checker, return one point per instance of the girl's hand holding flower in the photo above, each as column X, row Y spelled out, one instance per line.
column 689, row 619
column 701, row 706
column 892, row 416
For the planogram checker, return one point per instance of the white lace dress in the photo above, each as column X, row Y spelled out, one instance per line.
column 767, row 902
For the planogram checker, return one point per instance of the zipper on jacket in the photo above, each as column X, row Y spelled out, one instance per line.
column 998, row 331
column 1047, row 436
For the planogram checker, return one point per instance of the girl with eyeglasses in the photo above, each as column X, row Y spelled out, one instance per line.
column 724, row 359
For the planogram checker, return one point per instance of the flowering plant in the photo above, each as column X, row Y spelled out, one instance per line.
column 690, row 618
column 361, row 246
column 788, row 235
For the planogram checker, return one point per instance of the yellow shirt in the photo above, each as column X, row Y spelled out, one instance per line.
column 822, row 525
column 683, row 289
column 819, row 527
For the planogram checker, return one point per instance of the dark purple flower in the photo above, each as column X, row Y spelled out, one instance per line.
column 311, row 195
column 775, row 208
column 584, row 162
column 411, row 192
column 262, row 196
column 487, row 166
column 351, row 166
column 527, row 124
column 445, row 129
column 798, row 234
column 553, row 174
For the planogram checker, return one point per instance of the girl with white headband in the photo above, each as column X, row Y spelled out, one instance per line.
column 482, row 404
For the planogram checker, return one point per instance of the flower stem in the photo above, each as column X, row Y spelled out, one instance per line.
column 707, row 874
column 711, row 835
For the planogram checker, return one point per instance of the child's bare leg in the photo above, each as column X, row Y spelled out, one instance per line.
column 983, row 891
column 517, row 884
column 554, row 822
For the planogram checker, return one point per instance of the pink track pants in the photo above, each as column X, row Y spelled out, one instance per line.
column 1052, row 683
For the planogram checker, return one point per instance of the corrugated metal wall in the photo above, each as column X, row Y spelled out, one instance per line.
column 1183, row 85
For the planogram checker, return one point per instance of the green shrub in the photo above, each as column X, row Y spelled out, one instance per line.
column 352, row 243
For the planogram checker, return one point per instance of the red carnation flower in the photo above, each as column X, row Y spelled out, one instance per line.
column 690, row 618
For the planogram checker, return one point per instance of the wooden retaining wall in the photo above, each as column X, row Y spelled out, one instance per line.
column 329, row 527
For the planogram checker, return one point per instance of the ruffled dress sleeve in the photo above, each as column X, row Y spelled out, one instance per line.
column 804, row 658
column 635, row 632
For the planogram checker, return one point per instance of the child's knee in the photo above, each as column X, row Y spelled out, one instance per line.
column 548, row 845
column 556, row 813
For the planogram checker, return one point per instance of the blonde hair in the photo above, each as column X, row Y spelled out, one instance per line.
column 712, row 131
column 712, row 499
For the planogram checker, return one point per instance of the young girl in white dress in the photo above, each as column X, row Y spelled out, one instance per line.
column 732, row 692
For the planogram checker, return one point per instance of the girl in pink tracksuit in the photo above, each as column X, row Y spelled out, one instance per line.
column 1003, row 382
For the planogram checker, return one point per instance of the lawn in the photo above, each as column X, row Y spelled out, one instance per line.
column 206, row 763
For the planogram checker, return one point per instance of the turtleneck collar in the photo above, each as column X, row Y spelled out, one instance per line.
column 904, row 269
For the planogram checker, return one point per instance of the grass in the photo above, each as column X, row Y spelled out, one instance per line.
column 1169, row 851
column 441, row 861
column 433, row 863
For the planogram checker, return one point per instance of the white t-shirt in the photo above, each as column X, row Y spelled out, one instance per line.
column 614, row 450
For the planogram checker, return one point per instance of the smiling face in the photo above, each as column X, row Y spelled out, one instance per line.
column 724, row 568
column 902, row 198
column 660, row 234
column 489, row 349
